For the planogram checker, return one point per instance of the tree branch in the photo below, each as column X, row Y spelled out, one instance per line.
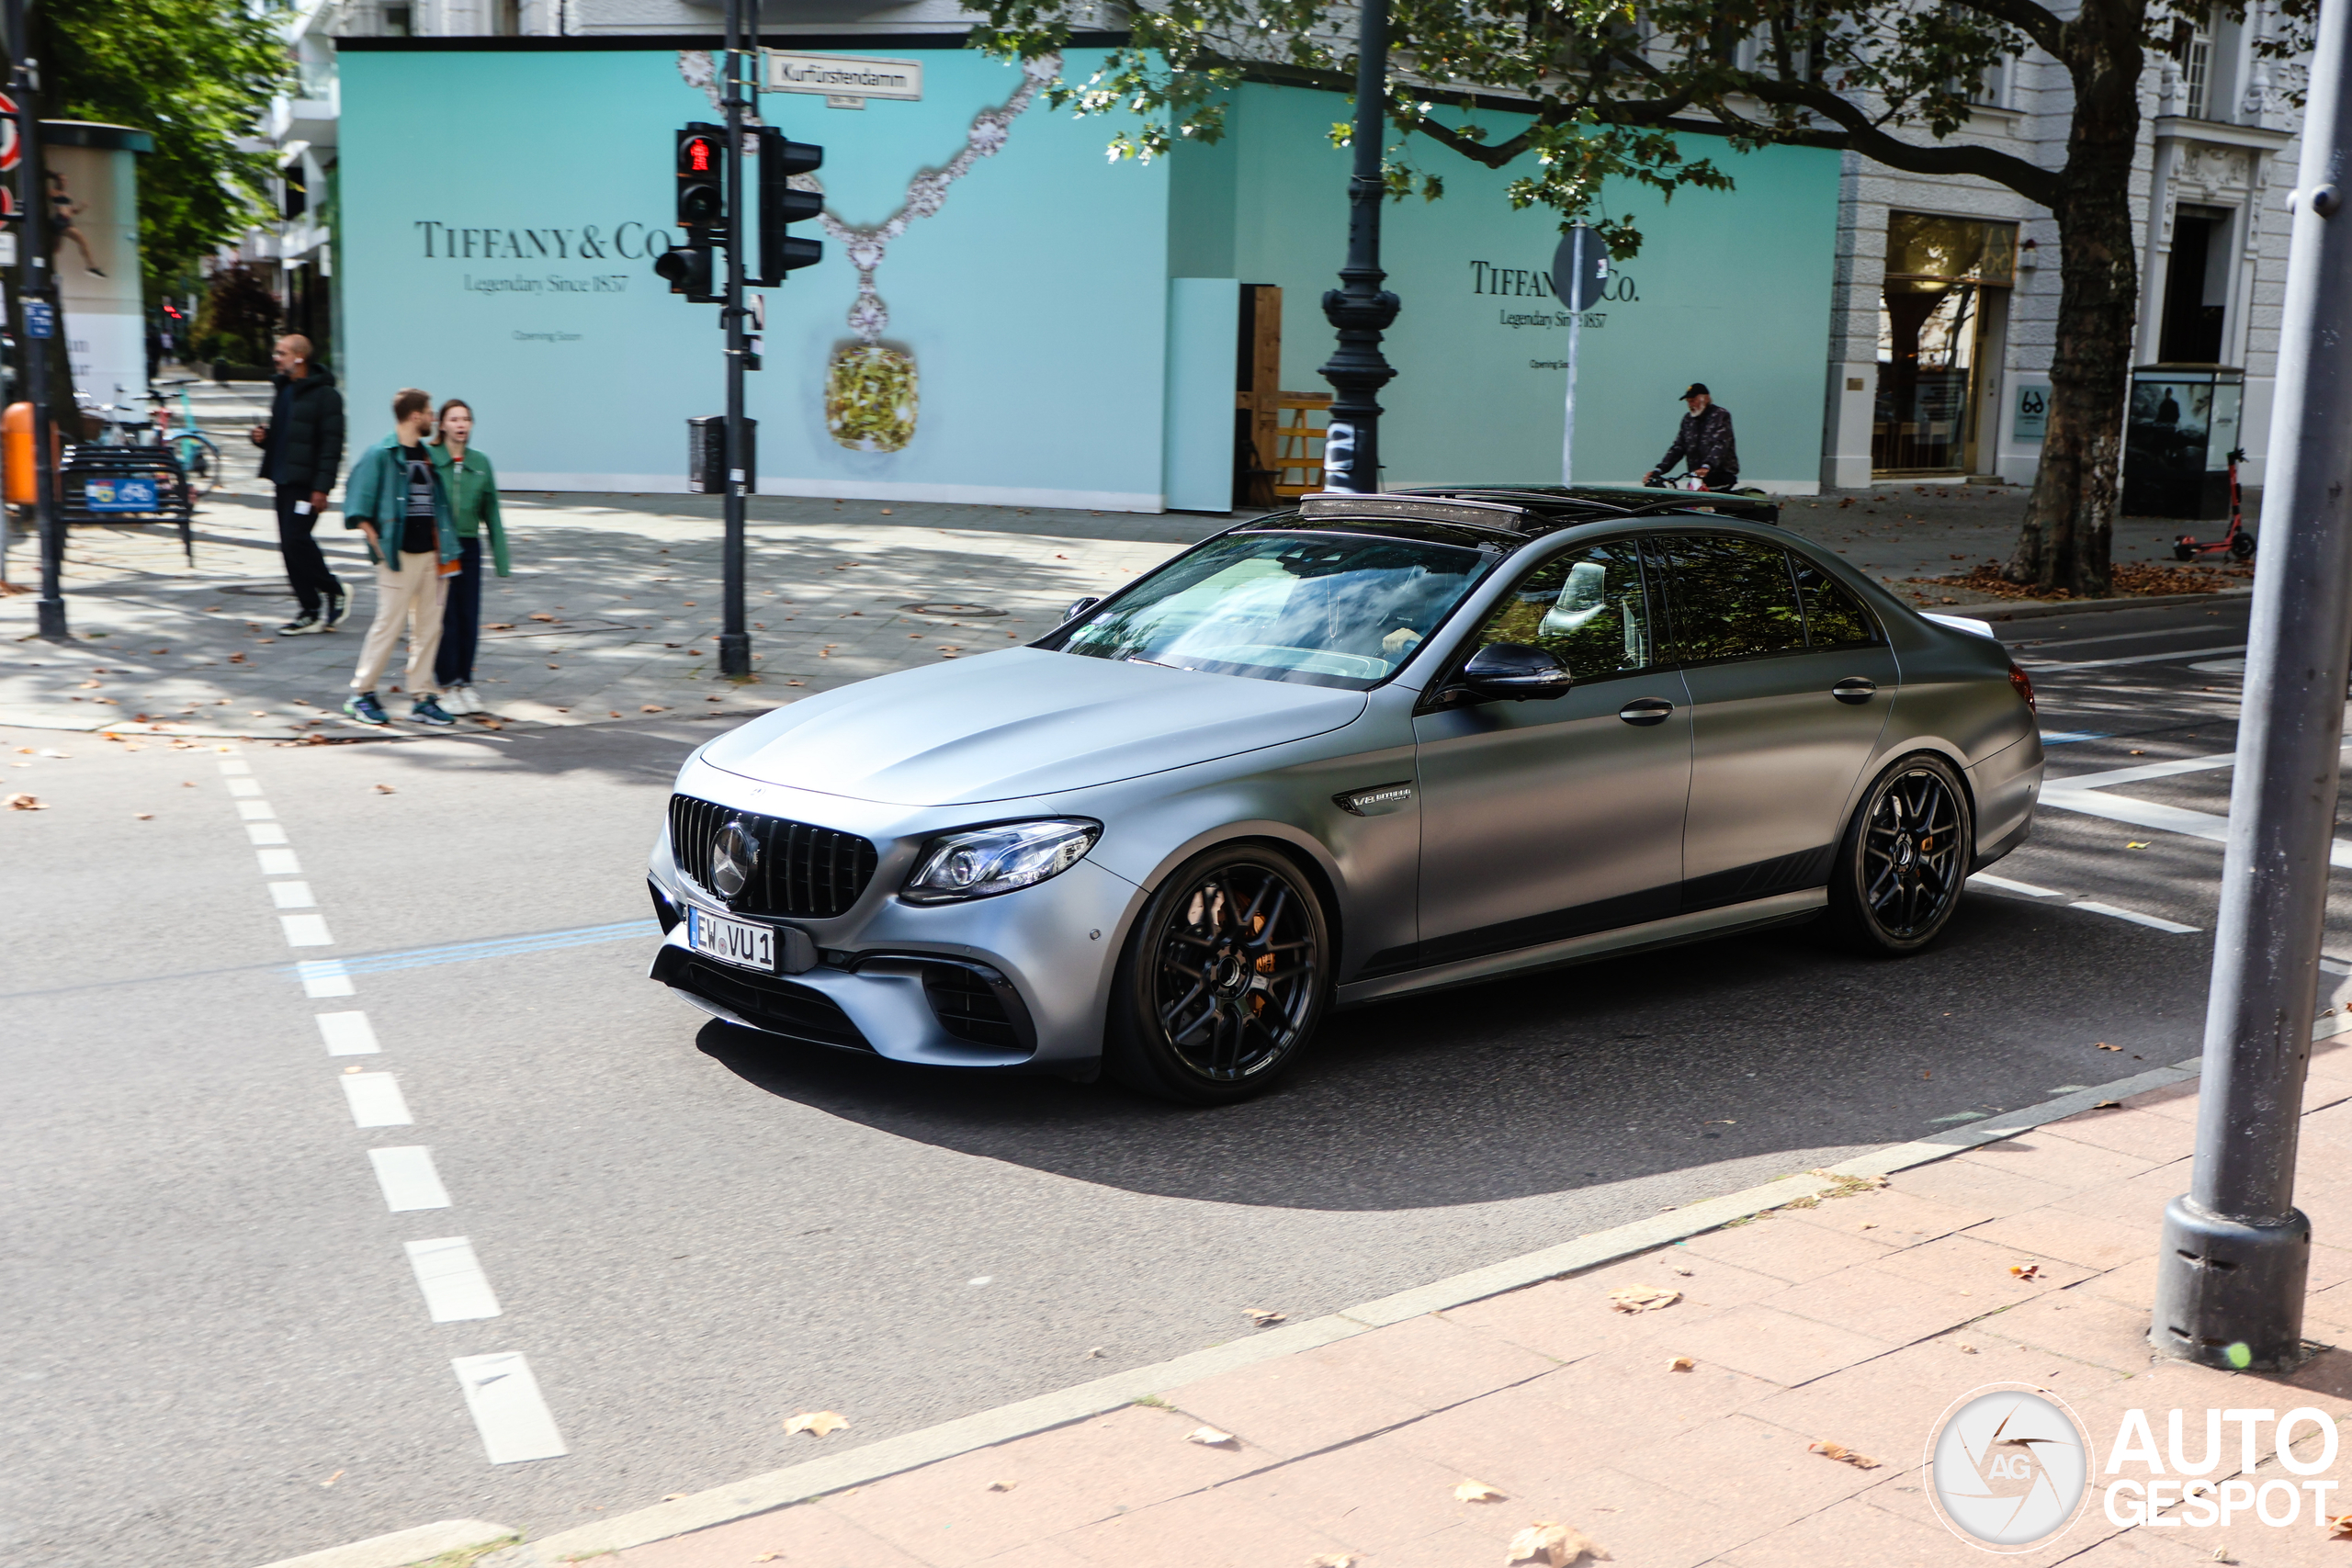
column 1856, row 132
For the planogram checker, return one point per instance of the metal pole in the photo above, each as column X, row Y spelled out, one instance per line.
column 1361, row 309
column 2230, row 1280
column 36, row 282
column 734, row 637
column 1568, row 435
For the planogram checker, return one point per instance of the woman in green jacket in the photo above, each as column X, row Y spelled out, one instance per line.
column 472, row 489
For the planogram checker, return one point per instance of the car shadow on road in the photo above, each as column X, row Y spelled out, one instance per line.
column 1600, row 1073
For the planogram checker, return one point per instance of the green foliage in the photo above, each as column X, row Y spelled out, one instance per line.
column 1605, row 82
column 193, row 74
column 238, row 321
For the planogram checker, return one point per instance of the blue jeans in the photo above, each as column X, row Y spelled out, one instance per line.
column 460, row 619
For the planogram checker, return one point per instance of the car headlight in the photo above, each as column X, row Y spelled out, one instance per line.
column 983, row 861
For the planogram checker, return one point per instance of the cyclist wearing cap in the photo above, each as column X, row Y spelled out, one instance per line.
column 1705, row 442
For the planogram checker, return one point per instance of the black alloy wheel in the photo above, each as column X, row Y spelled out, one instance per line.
column 1906, row 856
column 1223, row 982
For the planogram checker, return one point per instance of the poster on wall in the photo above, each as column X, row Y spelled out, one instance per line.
column 93, row 179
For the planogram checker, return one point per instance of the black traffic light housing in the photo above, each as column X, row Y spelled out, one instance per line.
column 702, row 181
column 692, row 270
column 781, row 206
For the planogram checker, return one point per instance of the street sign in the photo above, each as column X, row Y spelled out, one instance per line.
column 11, row 152
column 1580, row 268
column 841, row 75
column 41, row 318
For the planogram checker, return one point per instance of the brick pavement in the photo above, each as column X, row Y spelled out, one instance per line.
column 612, row 612
column 1855, row 1320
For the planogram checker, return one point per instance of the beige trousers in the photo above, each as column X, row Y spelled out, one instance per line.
column 412, row 597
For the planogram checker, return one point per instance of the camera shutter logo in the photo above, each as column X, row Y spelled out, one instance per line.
column 734, row 854
column 2008, row 1467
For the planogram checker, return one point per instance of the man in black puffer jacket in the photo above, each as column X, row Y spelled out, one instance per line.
column 301, row 446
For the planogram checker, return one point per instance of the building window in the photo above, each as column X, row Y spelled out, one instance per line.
column 397, row 22
column 506, row 18
column 1941, row 275
column 2193, row 46
column 2197, row 288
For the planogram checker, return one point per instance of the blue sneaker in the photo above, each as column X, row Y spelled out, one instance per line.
column 427, row 711
column 365, row 709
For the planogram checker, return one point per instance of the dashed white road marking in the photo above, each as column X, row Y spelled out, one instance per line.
column 306, row 931
column 256, row 811
column 503, row 1398
column 408, row 1178
column 264, row 833
column 2220, row 667
column 2133, row 916
column 244, row 786
column 2056, row 664
column 455, row 1288
column 279, row 863
column 323, row 977
column 292, row 896
column 375, row 1100
column 2005, row 885
column 347, row 1034
column 235, row 766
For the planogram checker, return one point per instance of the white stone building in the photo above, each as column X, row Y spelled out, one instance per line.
column 1944, row 374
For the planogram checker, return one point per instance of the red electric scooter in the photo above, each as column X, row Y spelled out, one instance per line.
column 2236, row 543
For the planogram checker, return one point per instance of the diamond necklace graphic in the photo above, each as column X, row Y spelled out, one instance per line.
column 871, row 390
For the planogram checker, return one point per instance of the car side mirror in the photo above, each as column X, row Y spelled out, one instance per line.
column 1514, row 671
column 1080, row 606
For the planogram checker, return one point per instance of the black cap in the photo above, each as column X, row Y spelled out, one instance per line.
column 1695, row 388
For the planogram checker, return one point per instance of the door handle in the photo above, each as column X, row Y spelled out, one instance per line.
column 1646, row 710
column 1854, row 689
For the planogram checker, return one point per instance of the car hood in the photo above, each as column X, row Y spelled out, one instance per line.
column 1021, row 722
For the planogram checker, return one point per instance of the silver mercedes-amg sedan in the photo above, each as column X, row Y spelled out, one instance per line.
column 1376, row 745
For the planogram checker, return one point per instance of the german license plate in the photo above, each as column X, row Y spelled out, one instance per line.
column 739, row 943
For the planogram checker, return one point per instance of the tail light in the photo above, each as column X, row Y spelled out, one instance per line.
column 2024, row 684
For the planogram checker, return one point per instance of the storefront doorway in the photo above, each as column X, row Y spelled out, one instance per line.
column 1943, row 311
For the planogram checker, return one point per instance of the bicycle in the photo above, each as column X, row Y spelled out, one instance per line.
column 200, row 459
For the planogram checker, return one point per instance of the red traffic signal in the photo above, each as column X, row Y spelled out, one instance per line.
column 702, row 190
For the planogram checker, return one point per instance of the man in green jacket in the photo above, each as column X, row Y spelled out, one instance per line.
column 395, row 497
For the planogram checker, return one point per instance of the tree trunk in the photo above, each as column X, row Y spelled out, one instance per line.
column 2070, row 518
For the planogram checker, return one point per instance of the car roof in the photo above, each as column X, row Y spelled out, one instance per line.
column 1509, row 517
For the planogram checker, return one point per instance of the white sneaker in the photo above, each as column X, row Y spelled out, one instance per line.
column 473, row 698
column 460, row 699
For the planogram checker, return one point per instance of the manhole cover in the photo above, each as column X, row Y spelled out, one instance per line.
column 978, row 612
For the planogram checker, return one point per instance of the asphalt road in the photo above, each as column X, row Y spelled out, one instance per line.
column 219, row 1354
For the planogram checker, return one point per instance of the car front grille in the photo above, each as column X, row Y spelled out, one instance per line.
column 803, row 872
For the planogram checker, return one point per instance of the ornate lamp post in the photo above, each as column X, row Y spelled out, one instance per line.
column 1360, row 310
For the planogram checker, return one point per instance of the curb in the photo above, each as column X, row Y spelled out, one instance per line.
column 402, row 1546
column 891, row 1456
column 2040, row 608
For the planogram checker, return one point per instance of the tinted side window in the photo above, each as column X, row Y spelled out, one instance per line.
column 1732, row 597
column 1833, row 616
column 1587, row 608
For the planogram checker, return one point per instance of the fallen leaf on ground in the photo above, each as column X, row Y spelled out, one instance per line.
column 2340, row 1526
column 1209, row 1438
column 386, row 789
column 145, row 816
column 1262, row 1316
column 1680, row 1364
column 1641, row 1298
column 500, row 627
column 674, row 1497
column 2108, row 1105
column 2026, row 1270
column 1334, row 1559
column 1842, row 1454
column 651, row 707
column 816, row 1423
column 1003, row 1485
column 2134, row 846
column 541, row 615
column 26, row 803
column 1552, row 1545
column 1684, row 1272
column 1095, row 1354
column 1476, row 1492
column 2103, row 1046
column 1968, row 1349
column 332, row 1478
column 769, row 1557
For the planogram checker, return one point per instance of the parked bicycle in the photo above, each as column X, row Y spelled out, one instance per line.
column 200, row 459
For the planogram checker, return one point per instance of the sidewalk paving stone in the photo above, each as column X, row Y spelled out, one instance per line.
column 1854, row 1531
column 2071, row 1238
column 1759, row 1249
column 1897, row 1215
column 1777, row 1345
column 2048, row 1156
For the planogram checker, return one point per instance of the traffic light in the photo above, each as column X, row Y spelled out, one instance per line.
column 781, row 206
column 702, row 182
column 692, row 270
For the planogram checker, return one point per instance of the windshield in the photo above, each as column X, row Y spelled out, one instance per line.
column 1324, row 609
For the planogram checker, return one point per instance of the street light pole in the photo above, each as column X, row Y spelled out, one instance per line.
column 734, row 637
column 2236, row 1251
column 36, row 290
column 1360, row 310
